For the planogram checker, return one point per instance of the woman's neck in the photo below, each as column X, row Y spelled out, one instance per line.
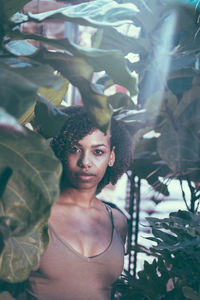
column 84, row 198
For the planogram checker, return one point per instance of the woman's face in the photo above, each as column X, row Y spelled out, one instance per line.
column 88, row 160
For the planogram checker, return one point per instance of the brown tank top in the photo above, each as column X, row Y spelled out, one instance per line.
column 65, row 274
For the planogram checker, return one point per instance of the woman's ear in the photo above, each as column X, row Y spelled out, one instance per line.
column 112, row 157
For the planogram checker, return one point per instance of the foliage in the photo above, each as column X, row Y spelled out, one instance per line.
column 174, row 273
column 168, row 96
column 168, row 106
column 33, row 81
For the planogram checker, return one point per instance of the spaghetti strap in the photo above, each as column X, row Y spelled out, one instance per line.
column 110, row 213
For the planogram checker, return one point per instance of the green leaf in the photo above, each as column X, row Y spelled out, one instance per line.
column 70, row 67
column 188, row 98
column 10, row 122
column 90, row 13
column 48, row 118
column 22, row 254
column 53, row 96
column 96, row 105
column 40, row 74
column 19, row 85
column 26, row 198
column 17, row 93
column 179, row 147
column 79, row 73
column 121, row 100
column 156, row 104
column 111, row 61
column 34, row 180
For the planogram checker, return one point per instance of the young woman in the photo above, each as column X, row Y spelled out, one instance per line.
column 86, row 248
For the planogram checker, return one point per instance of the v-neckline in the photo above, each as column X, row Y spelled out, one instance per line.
column 68, row 245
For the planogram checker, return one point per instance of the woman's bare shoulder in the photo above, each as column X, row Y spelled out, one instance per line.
column 120, row 220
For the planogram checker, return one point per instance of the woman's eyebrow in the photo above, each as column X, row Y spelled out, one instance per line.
column 99, row 145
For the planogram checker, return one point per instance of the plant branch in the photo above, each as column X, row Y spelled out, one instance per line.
column 183, row 194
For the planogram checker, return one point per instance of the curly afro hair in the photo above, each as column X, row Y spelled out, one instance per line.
column 77, row 126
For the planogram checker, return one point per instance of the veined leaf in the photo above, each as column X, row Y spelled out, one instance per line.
column 19, row 86
column 188, row 98
column 111, row 61
column 179, row 147
column 22, row 254
column 9, row 122
column 53, row 96
column 99, row 13
column 79, row 73
column 26, row 198
column 33, row 186
column 69, row 66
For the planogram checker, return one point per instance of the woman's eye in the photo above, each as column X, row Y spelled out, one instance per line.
column 98, row 152
column 74, row 150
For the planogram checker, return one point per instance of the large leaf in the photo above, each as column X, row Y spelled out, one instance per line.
column 19, row 86
column 99, row 13
column 17, row 93
column 96, row 105
column 34, row 180
column 188, row 99
column 179, row 147
column 53, row 96
column 22, row 254
column 26, row 198
column 79, row 73
column 111, row 61
column 48, row 118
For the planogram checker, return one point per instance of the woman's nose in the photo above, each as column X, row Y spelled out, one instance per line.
column 84, row 161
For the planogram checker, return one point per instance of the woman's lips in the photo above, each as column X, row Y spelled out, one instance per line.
column 85, row 176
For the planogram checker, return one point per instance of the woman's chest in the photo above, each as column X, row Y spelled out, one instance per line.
column 88, row 235
column 61, row 260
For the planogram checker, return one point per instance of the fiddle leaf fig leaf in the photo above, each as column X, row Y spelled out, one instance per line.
column 22, row 254
column 17, row 93
column 96, row 105
column 48, row 118
column 27, row 196
column 90, row 13
column 9, row 122
column 110, row 61
column 34, row 179
column 19, row 86
column 53, row 96
column 79, row 73
column 179, row 142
